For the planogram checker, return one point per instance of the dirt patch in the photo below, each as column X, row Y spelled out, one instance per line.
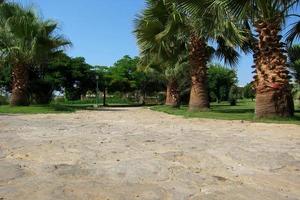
column 135, row 153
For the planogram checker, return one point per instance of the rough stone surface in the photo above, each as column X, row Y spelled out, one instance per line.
column 135, row 153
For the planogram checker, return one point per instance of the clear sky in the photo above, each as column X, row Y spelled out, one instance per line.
column 101, row 30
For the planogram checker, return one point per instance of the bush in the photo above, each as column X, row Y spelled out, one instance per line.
column 249, row 92
column 3, row 100
column 233, row 95
column 59, row 100
column 161, row 97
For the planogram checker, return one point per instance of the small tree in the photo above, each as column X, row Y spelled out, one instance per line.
column 233, row 95
column 249, row 92
column 220, row 80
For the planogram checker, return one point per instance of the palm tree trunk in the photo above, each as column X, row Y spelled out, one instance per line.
column 172, row 96
column 20, row 76
column 199, row 99
column 273, row 93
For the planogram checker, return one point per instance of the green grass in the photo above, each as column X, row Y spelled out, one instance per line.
column 92, row 101
column 63, row 106
column 243, row 111
column 36, row 109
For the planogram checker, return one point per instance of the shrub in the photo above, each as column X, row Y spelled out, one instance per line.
column 3, row 100
column 233, row 95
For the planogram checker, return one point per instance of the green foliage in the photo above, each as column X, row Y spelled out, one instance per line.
column 3, row 100
column 25, row 38
column 5, row 77
column 294, row 32
column 258, row 9
column 73, row 76
column 163, row 43
column 233, row 95
column 294, row 61
column 296, row 94
column 220, row 81
column 111, row 100
column 123, row 75
column 36, row 109
column 249, row 92
column 30, row 43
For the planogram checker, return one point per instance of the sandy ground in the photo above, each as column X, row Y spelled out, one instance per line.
column 135, row 153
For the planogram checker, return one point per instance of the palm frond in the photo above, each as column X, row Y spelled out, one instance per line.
column 293, row 33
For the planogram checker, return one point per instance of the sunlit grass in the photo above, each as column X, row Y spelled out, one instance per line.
column 243, row 111
column 35, row 109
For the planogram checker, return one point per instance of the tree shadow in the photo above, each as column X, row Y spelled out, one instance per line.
column 235, row 111
column 124, row 105
column 106, row 109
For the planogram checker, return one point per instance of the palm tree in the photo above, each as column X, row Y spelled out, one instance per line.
column 26, row 42
column 273, row 93
column 203, row 28
column 16, row 48
column 50, row 46
column 196, row 34
column 159, row 51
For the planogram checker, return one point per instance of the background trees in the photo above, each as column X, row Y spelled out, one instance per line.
column 73, row 76
column 123, row 75
column 249, row 91
column 220, row 81
column 177, row 38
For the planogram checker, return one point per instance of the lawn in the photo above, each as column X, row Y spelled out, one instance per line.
column 36, row 109
column 64, row 106
column 110, row 101
column 243, row 111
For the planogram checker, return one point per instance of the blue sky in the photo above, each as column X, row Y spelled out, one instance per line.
column 101, row 30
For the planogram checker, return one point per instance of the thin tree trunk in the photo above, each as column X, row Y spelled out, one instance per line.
column 20, row 76
column 172, row 96
column 199, row 99
column 142, row 97
column 273, row 93
column 104, row 97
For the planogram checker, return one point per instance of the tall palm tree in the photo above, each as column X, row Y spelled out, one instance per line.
column 273, row 93
column 159, row 51
column 26, row 41
column 50, row 46
column 203, row 28
column 200, row 53
column 196, row 33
